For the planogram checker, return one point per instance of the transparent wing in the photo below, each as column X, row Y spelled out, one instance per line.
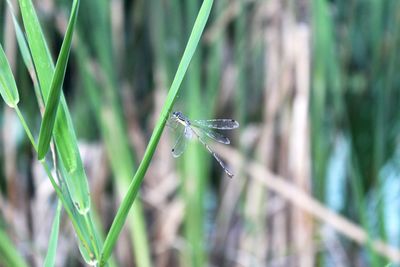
column 214, row 135
column 180, row 144
column 220, row 124
column 173, row 124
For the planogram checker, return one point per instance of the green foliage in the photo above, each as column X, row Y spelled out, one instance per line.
column 52, row 247
column 137, row 45
column 155, row 137
column 49, row 117
column 9, row 256
column 8, row 88
column 64, row 134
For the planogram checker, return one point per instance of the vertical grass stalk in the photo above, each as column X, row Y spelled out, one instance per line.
column 134, row 187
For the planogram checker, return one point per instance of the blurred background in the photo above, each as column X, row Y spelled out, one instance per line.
column 316, row 158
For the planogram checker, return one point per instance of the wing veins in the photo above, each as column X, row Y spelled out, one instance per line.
column 219, row 124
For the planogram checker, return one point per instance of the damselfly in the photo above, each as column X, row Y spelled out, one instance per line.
column 199, row 129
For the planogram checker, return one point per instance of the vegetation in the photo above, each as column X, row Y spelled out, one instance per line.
column 88, row 88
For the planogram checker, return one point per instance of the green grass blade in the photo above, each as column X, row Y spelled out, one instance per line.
column 173, row 92
column 52, row 249
column 26, row 54
column 49, row 117
column 104, row 97
column 23, row 46
column 9, row 255
column 84, row 231
column 322, row 42
column 116, row 144
column 8, row 88
column 40, row 52
column 87, row 242
column 194, row 161
column 64, row 134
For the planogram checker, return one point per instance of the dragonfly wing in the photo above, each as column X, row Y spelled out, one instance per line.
column 215, row 136
column 173, row 123
column 180, row 144
column 220, row 124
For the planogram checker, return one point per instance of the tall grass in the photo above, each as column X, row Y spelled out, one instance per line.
column 313, row 85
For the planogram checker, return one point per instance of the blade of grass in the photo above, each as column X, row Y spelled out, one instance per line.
column 26, row 55
column 321, row 42
column 9, row 255
column 195, row 167
column 174, row 33
column 78, row 220
column 8, row 88
column 360, row 203
column 379, row 68
column 49, row 117
column 65, row 139
column 64, row 134
column 23, row 46
column 173, row 92
column 117, row 147
column 214, row 64
column 86, row 241
column 106, row 103
column 52, row 248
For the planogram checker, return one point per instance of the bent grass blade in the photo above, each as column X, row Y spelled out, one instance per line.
column 64, row 134
column 50, row 113
column 8, row 87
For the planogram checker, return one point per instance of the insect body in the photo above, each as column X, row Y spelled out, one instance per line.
column 198, row 128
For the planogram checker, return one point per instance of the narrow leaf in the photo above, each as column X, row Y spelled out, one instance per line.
column 26, row 54
column 63, row 133
column 8, row 88
column 23, row 46
column 133, row 189
column 50, row 259
column 9, row 255
column 49, row 118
